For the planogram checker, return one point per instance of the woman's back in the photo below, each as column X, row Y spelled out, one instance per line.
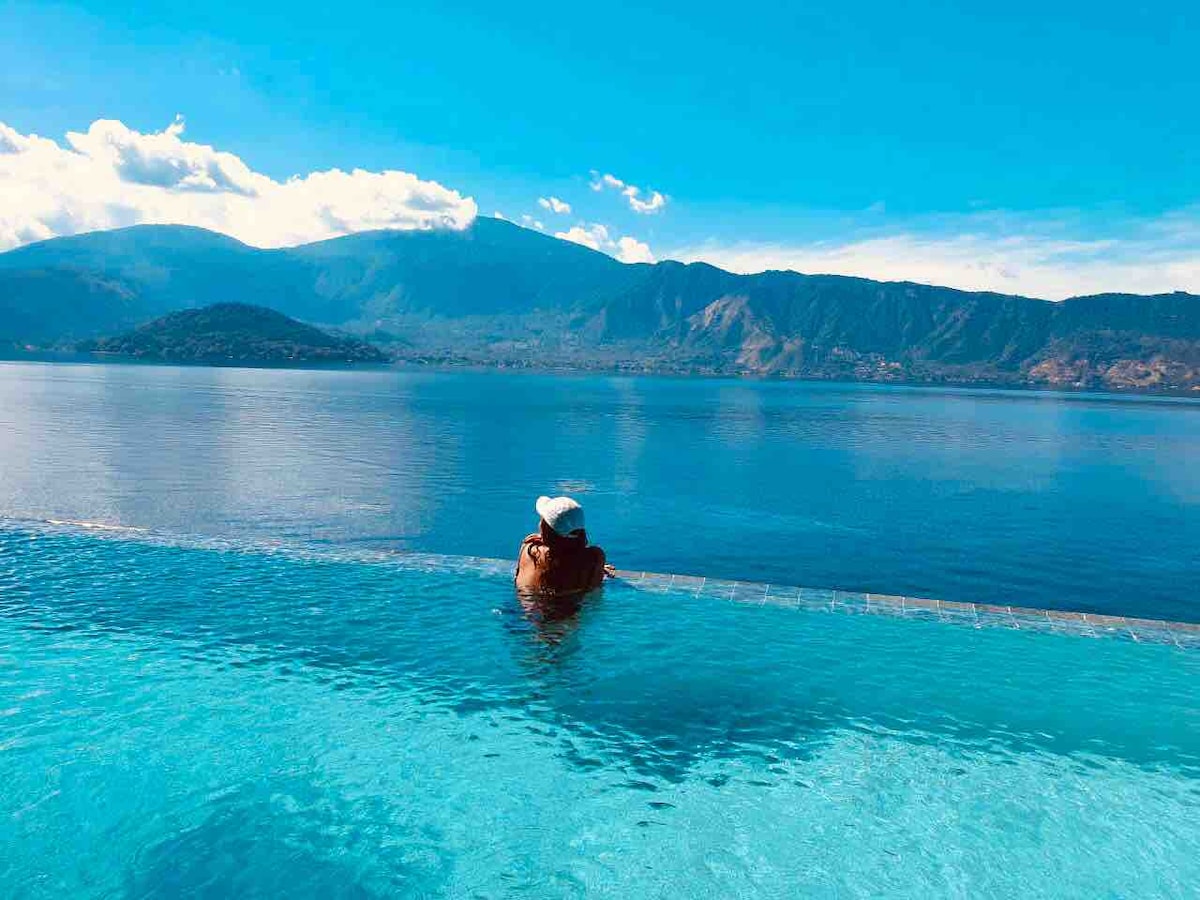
column 558, row 565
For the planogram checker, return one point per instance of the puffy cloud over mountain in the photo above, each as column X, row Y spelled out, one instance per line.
column 597, row 237
column 111, row 176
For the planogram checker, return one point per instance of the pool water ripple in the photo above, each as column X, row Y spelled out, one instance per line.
column 218, row 718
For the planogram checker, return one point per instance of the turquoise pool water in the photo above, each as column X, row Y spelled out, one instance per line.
column 207, row 719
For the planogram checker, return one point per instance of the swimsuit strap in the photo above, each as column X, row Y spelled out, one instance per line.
column 526, row 549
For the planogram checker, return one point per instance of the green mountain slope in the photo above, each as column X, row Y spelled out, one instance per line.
column 491, row 268
column 234, row 332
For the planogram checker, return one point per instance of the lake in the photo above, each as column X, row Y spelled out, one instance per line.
column 1074, row 501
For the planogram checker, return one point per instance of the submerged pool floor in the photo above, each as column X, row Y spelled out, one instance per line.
column 193, row 718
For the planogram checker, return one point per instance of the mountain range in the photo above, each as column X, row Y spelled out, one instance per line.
column 498, row 293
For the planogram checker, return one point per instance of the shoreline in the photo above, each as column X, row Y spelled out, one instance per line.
column 614, row 370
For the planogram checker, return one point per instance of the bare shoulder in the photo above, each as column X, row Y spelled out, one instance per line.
column 596, row 567
column 531, row 546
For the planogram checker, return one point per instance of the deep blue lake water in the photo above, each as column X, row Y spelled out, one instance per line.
column 1084, row 502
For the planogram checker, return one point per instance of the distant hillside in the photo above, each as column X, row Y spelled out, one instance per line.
column 234, row 332
column 497, row 293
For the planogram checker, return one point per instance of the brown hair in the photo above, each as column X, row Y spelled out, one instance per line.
column 566, row 561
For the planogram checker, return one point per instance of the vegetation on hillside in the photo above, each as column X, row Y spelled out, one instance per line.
column 234, row 332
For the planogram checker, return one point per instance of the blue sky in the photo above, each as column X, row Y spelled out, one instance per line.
column 1045, row 148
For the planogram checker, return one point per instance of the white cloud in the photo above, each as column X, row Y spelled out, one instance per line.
column 594, row 236
column 499, row 215
column 530, row 222
column 555, row 205
column 597, row 237
column 631, row 250
column 163, row 160
column 111, row 176
column 1021, row 257
column 653, row 202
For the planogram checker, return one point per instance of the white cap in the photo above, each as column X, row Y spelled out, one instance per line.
column 562, row 514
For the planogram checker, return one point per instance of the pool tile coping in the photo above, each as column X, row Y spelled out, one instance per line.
column 1185, row 635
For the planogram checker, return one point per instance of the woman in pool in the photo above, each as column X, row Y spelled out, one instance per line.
column 556, row 559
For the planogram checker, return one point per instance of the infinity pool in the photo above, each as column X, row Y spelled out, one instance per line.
column 189, row 718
